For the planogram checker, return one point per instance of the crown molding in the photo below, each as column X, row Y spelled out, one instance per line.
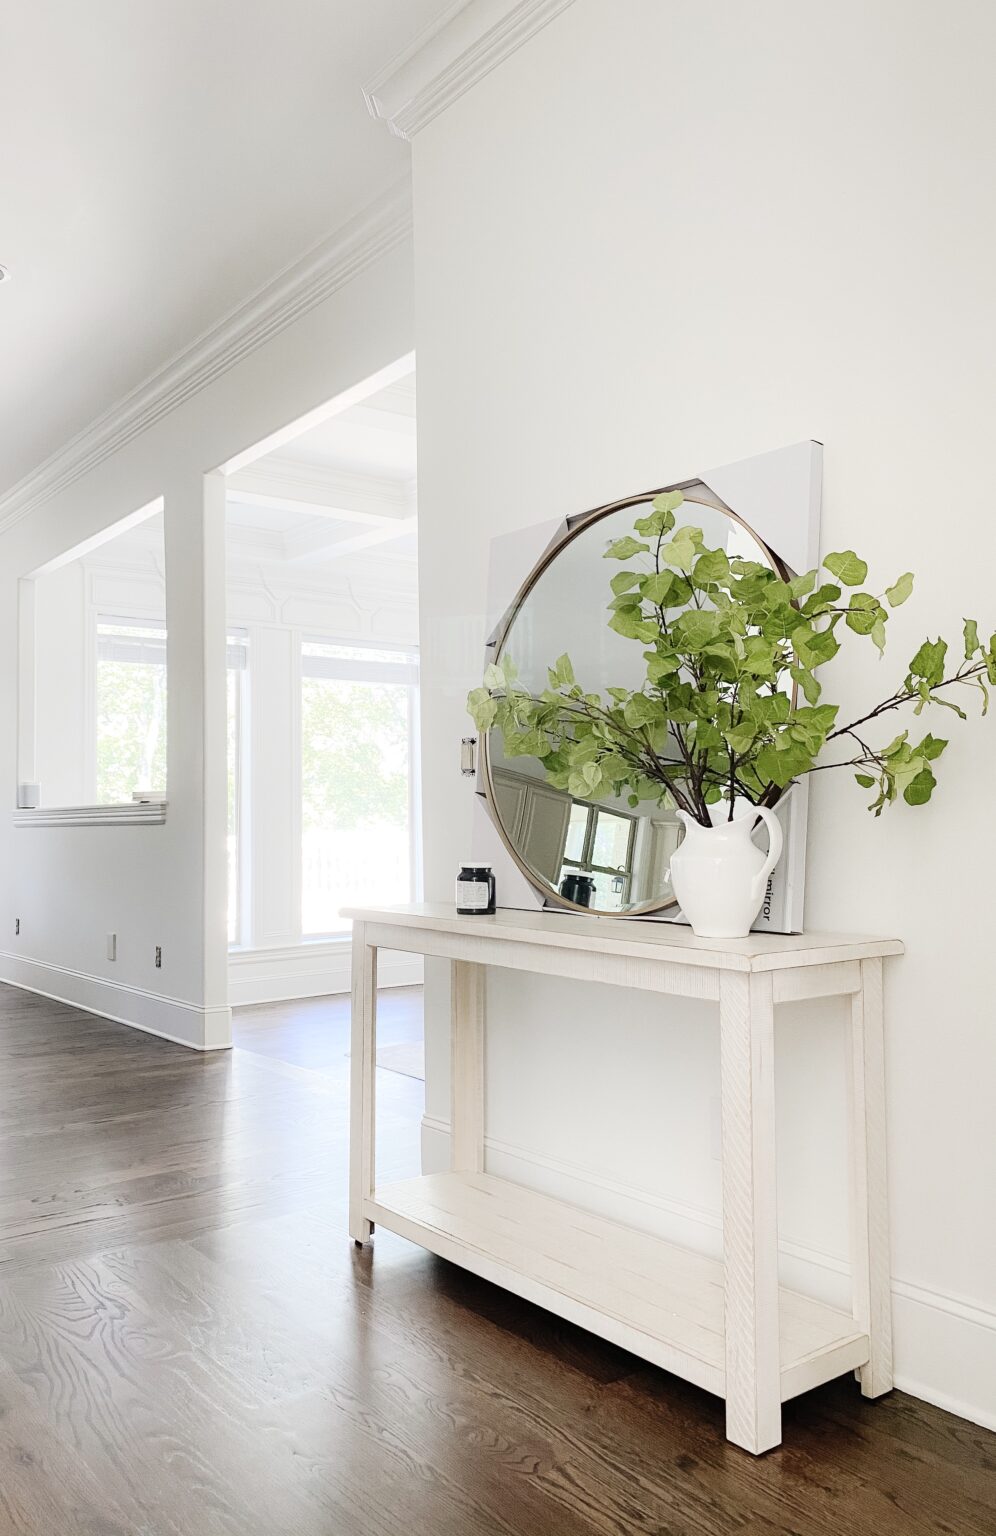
column 463, row 45
column 298, row 288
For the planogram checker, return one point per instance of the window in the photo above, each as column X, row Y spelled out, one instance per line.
column 237, row 694
column 92, row 673
column 130, row 712
column 600, row 844
column 358, row 779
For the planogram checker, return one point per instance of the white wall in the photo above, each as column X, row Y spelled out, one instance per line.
column 687, row 234
column 165, row 885
column 363, row 598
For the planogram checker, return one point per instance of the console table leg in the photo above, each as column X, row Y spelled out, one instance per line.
column 467, row 993
column 362, row 1079
column 750, row 1223
column 869, row 1189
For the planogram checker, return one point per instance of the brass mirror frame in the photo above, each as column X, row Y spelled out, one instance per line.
column 696, row 493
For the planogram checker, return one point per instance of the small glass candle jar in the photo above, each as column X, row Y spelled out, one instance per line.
column 475, row 890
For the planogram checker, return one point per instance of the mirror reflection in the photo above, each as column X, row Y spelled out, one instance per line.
column 607, row 849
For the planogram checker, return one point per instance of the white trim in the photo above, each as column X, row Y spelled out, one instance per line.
column 313, row 968
column 958, row 1336
column 348, row 495
column 142, row 813
column 189, row 1024
column 447, row 58
column 296, row 290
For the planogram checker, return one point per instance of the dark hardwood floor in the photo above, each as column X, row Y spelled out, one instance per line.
column 191, row 1345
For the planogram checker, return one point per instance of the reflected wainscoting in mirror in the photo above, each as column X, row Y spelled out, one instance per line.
column 550, row 596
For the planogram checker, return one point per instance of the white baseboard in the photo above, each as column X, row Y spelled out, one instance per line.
column 202, row 1029
column 280, row 974
column 945, row 1347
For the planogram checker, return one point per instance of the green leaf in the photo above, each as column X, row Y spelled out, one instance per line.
column 660, row 667
column 865, row 780
column 900, row 590
column 814, row 646
column 809, row 684
column 622, row 549
column 680, row 550
column 928, row 662
column 639, row 710
column 878, row 633
column 696, row 627
column 661, row 519
column 822, row 599
column 971, row 638
column 622, row 581
column 781, row 765
column 631, row 623
column 861, row 621
column 656, row 588
column 711, row 566
column 801, row 586
column 741, row 738
column 494, row 676
column 482, row 708
column 931, row 747
column 667, row 501
column 535, row 744
column 759, row 656
column 847, row 567
column 564, row 672
column 919, row 791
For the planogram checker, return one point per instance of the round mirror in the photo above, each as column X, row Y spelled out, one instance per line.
column 607, row 850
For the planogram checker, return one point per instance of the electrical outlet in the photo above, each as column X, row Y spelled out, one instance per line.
column 159, row 957
column 17, row 926
column 112, row 946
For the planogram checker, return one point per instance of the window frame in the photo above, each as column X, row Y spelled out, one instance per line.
column 584, row 864
column 237, row 636
column 138, row 618
column 404, row 674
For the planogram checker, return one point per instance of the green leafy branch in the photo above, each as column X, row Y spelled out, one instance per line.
column 730, row 648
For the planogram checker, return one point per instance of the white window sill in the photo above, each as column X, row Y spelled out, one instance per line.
column 143, row 814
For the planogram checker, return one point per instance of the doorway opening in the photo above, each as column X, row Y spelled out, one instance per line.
column 323, row 722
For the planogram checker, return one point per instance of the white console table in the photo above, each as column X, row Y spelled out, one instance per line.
column 725, row 1325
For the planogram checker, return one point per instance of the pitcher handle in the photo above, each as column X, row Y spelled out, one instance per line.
column 775, row 841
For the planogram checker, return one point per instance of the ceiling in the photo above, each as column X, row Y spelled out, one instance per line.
column 341, row 491
column 336, row 503
column 159, row 163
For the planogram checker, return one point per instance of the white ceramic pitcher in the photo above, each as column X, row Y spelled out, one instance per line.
column 718, row 874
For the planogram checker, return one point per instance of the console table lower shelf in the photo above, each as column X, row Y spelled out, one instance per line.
column 662, row 1302
column 727, row 1326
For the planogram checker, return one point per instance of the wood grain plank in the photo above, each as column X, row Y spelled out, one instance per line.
column 191, row 1345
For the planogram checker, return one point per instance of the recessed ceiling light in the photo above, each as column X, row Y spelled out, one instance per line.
column 4, row 275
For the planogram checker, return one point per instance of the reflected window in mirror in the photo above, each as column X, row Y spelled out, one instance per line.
column 600, row 847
